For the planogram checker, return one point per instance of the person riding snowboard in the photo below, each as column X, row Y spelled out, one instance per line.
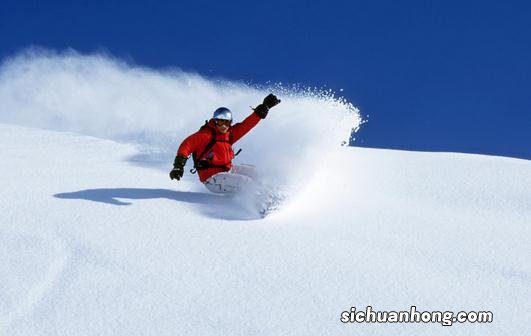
column 211, row 149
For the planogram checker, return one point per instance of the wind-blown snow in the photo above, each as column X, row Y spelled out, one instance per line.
column 105, row 97
column 96, row 240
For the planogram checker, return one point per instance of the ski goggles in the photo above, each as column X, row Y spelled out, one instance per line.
column 222, row 122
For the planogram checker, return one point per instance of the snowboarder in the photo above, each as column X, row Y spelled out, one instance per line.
column 211, row 149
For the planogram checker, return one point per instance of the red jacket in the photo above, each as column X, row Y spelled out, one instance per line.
column 221, row 154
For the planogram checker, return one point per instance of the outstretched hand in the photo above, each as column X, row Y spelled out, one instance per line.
column 271, row 100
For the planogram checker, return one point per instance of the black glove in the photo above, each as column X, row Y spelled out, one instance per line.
column 269, row 101
column 178, row 167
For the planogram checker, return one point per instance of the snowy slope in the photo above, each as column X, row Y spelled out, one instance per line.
column 94, row 245
column 96, row 240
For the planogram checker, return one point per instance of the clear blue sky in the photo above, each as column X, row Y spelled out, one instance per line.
column 432, row 75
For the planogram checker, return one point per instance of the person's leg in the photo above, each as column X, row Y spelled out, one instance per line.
column 227, row 182
column 244, row 169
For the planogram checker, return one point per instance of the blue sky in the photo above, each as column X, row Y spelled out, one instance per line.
column 437, row 76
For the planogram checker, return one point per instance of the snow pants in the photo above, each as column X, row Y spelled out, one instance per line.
column 236, row 179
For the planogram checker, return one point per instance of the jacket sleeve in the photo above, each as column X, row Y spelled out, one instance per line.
column 242, row 128
column 193, row 143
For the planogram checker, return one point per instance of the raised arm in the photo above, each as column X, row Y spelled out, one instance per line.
column 260, row 112
column 240, row 129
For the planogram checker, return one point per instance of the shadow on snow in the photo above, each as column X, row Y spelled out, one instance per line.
column 215, row 206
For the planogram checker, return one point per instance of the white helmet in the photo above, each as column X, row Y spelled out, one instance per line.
column 223, row 113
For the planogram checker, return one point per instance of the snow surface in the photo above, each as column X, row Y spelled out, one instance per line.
column 96, row 240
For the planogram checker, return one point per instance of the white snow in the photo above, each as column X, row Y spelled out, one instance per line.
column 96, row 240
